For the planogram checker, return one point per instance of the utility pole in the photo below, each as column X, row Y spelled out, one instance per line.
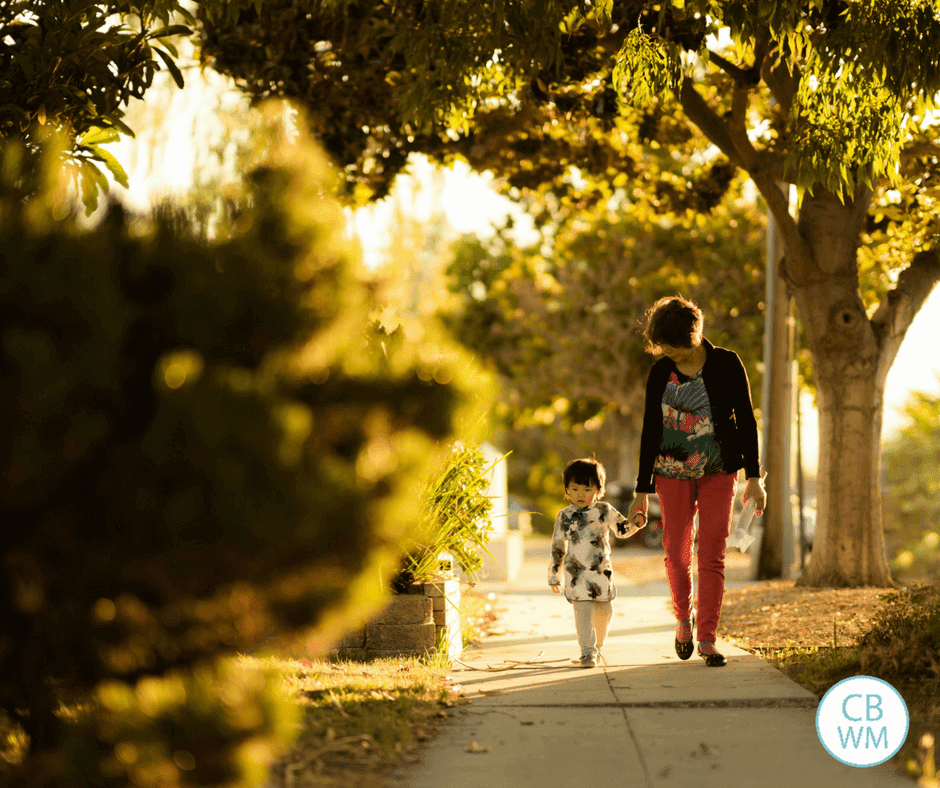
column 777, row 555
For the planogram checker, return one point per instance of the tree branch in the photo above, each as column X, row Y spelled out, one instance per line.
column 708, row 121
column 737, row 130
column 920, row 149
column 738, row 74
column 783, row 85
column 900, row 306
column 799, row 264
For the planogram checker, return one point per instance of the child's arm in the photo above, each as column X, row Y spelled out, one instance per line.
column 559, row 548
column 624, row 527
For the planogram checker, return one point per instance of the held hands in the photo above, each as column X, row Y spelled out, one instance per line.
column 755, row 490
column 638, row 515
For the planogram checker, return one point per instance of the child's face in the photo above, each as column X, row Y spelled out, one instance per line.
column 582, row 494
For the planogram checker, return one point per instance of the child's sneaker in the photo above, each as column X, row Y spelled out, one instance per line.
column 587, row 661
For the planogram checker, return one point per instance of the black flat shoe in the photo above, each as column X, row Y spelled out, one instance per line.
column 715, row 660
column 684, row 650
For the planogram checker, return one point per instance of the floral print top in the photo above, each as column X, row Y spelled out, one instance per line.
column 580, row 543
column 688, row 449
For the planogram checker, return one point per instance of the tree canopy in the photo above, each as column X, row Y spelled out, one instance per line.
column 830, row 96
column 73, row 66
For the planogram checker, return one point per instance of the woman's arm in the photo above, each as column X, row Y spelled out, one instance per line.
column 746, row 423
column 652, row 432
column 750, row 443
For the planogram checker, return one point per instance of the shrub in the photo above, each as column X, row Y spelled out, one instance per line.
column 456, row 518
column 904, row 639
column 202, row 447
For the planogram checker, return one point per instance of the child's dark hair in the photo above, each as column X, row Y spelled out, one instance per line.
column 586, row 472
column 672, row 321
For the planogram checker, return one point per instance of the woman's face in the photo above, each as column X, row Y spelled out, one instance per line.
column 682, row 355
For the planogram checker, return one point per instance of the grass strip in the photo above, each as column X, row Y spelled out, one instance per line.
column 359, row 719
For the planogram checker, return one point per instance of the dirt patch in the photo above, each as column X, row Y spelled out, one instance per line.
column 770, row 614
column 775, row 614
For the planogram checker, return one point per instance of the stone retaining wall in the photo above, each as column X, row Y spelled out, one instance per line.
column 413, row 624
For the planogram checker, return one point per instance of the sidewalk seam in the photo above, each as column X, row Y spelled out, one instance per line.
column 744, row 703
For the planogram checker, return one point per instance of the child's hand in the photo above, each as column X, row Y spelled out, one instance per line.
column 556, row 589
column 638, row 515
column 624, row 530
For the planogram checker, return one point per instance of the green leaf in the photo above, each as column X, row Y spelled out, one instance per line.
column 113, row 165
column 171, row 66
column 90, row 178
column 99, row 135
column 171, row 30
column 119, row 124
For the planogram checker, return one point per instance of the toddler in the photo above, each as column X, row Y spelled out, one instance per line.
column 581, row 543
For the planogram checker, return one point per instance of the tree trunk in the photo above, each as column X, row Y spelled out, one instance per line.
column 628, row 427
column 849, row 547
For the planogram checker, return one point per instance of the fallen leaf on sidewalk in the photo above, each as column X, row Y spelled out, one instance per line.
column 476, row 748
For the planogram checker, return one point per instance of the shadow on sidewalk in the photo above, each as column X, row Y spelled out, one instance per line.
column 504, row 642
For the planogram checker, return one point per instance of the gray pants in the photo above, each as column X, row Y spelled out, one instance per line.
column 591, row 620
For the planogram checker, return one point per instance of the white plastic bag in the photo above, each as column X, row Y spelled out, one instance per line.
column 742, row 537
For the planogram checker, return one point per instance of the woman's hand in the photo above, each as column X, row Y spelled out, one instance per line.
column 755, row 490
column 638, row 514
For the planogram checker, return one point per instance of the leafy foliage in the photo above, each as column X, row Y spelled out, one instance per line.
column 561, row 320
column 456, row 517
column 912, row 493
column 205, row 446
column 69, row 65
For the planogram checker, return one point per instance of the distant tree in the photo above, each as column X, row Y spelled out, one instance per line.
column 205, row 445
column 912, row 494
column 561, row 320
column 831, row 96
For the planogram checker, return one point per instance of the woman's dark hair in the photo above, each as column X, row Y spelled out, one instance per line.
column 674, row 321
column 586, row 472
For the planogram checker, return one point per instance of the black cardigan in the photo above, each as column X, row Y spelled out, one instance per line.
column 730, row 395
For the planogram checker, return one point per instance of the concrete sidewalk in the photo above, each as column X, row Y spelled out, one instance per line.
column 645, row 718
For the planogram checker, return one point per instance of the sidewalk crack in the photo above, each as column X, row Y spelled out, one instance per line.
column 636, row 744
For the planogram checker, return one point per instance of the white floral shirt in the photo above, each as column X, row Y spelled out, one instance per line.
column 581, row 544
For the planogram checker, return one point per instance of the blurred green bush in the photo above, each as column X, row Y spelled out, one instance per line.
column 911, row 496
column 204, row 445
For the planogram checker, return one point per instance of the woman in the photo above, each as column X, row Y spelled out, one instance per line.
column 699, row 430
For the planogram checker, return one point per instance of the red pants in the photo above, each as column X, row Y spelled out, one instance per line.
column 713, row 497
